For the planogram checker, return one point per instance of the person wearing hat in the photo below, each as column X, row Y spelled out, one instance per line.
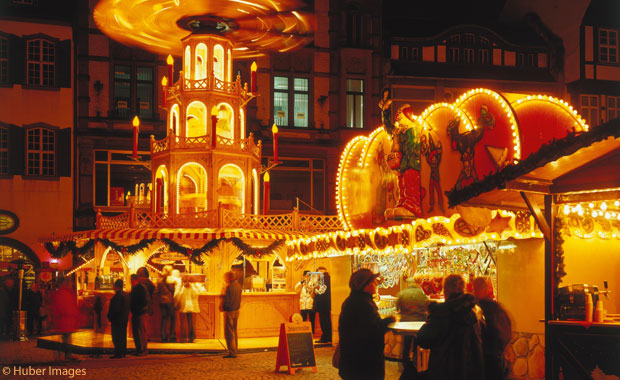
column 362, row 330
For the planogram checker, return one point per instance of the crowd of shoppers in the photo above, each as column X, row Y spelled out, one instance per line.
column 466, row 334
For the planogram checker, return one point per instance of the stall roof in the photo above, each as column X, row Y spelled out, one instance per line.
column 576, row 163
column 177, row 234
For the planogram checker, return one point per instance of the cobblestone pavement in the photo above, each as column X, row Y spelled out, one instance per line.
column 248, row 366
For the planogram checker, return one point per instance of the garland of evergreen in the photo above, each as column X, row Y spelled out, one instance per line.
column 548, row 152
column 195, row 255
column 558, row 254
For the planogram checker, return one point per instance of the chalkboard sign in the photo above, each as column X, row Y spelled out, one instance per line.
column 295, row 347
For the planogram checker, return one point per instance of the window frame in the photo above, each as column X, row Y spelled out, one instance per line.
column 290, row 96
column 355, row 95
column 4, row 60
column 42, row 64
column 4, row 151
column 133, row 81
column 310, row 169
column 586, row 110
column 42, row 152
column 613, row 112
column 608, row 45
column 109, row 161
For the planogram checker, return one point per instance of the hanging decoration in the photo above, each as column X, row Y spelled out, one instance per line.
column 558, row 254
column 86, row 251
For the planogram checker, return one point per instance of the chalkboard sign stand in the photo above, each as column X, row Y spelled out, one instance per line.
column 286, row 346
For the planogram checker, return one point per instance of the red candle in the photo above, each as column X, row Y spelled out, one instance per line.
column 214, row 112
column 136, row 128
column 164, row 84
column 266, row 193
column 170, row 62
column 274, row 131
column 253, row 77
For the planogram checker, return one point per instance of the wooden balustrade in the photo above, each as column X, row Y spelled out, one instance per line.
column 221, row 218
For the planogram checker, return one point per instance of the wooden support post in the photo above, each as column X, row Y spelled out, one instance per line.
column 538, row 216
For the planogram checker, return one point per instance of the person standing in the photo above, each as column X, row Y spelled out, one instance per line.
column 5, row 312
column 35, row 301
column 362, row 330
column 118, row 315
column 412, row 304
column 323, row 306
column 496, row 335
column 230, row 305
column 306, row 298
column 165, row 290
column 453, row 334
column 139, row 305
column 97, row 309
column 188, row 305
column 65, row 311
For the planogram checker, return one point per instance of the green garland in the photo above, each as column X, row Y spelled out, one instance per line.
column 195, row 255
column 548, row 152
column 558, row 254
column 247, row 250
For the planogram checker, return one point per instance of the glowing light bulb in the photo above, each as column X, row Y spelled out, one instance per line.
column 566, row 210
column 594, row 214
column 604, row 206
column 591, row 205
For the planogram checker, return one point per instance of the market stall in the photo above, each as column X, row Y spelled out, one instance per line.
column 571, row 186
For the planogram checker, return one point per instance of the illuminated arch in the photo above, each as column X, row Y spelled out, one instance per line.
column 255, row 191
column 186, row 63
column 174, row 119
column 218, row 62
column 200, row 66
column 191, row 188
column 196, row 119
column 161, row 191
column 231, row 188
column 225, row 121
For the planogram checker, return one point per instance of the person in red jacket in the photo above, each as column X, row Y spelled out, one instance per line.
column 65, row 312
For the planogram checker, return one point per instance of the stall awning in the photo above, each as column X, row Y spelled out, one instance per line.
column 177, row 234
column 577, row 163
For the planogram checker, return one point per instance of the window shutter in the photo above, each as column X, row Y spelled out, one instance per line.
column 63, row 64
column 17, row 150
column 63, row 155
column 17, row 60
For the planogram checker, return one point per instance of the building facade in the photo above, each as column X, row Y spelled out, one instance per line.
column 36, row 124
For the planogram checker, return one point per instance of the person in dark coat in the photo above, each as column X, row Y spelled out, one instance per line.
column 323, row 306
column 362, row 330
column 453, row 334
column 118, row 315
column 34, row 303
column 231, row 303
column 165, row 290
column 497, row 332
column 139, row 305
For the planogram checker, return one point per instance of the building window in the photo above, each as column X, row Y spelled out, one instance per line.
column 415, row 54
column 484, row 56
column 290, row 94
column 4, row 151
column 454, row 39
column 404, row 53
column 590, row 109
column 40, row 153
column 531, row 60
column 468, row 55
column 296, row 179
column 608, row 45
column 613, row 107
column 453, row 55
column 117, row 176
column 469, row 38
column 355, row 103
column 354, row 29
column 130, row 80
column 4, row 60
column 41, row 56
